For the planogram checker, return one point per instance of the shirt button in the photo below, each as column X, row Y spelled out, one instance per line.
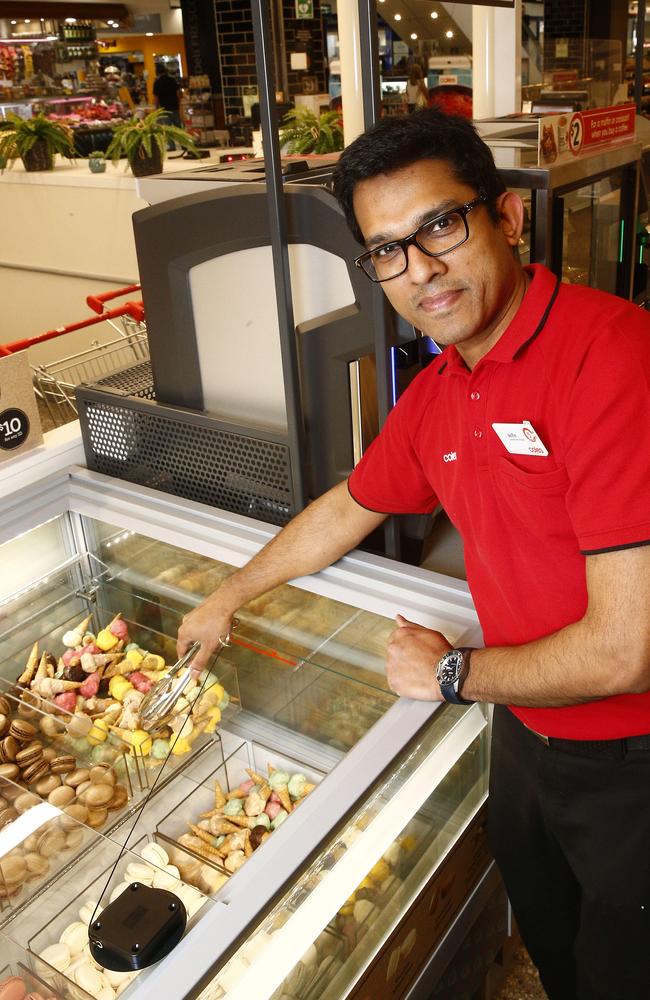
column 475, row 395
column 478, row 433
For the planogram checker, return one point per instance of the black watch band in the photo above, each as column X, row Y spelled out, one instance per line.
column 451, row 691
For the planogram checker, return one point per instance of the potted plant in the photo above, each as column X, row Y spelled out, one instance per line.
column 35, row 141
column 144, row 142
column 304, row 132
column 97, row 161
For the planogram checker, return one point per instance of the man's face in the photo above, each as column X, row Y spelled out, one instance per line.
column 465, row 296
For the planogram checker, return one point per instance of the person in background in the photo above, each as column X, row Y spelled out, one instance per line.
column 166, row 95
column 532, row 430
column 416, row 93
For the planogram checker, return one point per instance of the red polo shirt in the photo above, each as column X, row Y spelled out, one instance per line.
column 575, row 363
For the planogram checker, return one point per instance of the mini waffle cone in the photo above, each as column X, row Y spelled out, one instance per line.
column 42, row 668
column 30, row 667
column 282, row 793
column 219, row 796
column 248, row 847
column 222, row 825
column 236, row 794
column 83, row 625
column 257, row 778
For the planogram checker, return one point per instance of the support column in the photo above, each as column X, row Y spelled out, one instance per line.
column 351, row 69
column 496, row 60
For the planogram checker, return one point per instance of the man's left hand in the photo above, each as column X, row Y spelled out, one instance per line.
column 413, row 652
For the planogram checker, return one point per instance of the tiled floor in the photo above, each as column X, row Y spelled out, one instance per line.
column 522, row 982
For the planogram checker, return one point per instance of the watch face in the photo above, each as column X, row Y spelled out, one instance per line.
column 449, row 667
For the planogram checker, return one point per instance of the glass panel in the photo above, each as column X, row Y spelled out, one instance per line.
column 351, row 939
column 592, row 233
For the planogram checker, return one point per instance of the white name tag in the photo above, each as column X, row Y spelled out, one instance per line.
column 521, row 439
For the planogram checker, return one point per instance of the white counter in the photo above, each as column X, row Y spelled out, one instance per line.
column 62, row 447
column 69, row 235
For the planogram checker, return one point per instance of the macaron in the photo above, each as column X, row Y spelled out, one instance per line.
column 87, row 910
column 63, row 764
column 89, row 978
column 47, row 784
column 75, row 936
column 22, row 730
column 97, row 795
column 10, row 771
column 9, row 747
column 76, row 777
column 57, row 955
column 155, row 854
column 97, row 817
column 12, row 989
column 61, row 796
column 29, row 754
column 36, row 770
column 101, row 774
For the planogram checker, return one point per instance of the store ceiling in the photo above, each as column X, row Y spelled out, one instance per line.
column 416, row 19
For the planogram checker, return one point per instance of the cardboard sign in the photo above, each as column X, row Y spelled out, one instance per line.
column 563, row 137
column 20, row 425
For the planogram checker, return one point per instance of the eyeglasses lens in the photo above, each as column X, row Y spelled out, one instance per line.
column 436, row 237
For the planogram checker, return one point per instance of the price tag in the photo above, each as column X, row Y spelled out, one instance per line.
column 20, row 425
column 576, row 133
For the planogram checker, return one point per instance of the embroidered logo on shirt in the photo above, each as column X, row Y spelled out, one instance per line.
column 451, row 456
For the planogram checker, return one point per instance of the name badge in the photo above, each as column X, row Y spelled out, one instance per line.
column 521, row 439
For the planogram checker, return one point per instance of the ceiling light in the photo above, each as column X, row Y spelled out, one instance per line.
column 71, row 20
column 449, row 34
column 413, row 36
column 149, row 34
column 27, row 20
column 398, row 17
column 42, row 19
column 434, row 14
column 14, row 22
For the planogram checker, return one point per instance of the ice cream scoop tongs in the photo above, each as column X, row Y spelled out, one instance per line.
column 157, row 706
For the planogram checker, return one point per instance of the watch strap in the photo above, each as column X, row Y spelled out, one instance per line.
column 451, row 692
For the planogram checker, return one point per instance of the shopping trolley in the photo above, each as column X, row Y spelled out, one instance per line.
column 54, row 383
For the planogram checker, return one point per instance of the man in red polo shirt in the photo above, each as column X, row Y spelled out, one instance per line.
column 533, row 432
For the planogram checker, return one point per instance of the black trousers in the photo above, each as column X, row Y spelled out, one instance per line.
column 571, row 836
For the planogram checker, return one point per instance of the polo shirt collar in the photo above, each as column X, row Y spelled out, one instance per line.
column 528, row 321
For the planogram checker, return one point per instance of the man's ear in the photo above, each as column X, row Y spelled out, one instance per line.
column 511, row 216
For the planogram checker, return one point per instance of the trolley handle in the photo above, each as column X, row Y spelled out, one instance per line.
column 133, row 309
column 96, row 302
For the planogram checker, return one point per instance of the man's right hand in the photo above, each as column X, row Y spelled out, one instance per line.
column 208, row 623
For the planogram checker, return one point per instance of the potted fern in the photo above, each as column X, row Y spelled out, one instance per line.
column 144, row 142
column 304, row 132
column 34, row 141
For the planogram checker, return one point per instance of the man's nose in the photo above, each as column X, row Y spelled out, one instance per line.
column 422, row 267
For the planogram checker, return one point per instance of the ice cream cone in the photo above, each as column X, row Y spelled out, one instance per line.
column 236, row 794
column 248, row 847
column 257, row 778
column 42, row 668
column 50, row 666
column 271, row 768
column 219, row 796
column 213, row 812
column 30, row 666
column 243, row 822
column 221, row 825
column 83, row 626
column 308, row 788
column 282, row 793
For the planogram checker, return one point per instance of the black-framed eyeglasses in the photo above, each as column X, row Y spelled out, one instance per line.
column 434, row 238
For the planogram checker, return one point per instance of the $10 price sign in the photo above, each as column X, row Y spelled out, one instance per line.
column 20, row 425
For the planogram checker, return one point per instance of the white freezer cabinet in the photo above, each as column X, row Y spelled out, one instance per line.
column 304, row 808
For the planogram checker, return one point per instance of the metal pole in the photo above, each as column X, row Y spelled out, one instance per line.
column 279, row 247
column 369, row 45
column 640, row 41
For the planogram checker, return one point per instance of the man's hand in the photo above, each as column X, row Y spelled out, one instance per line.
column 413, row 652
column 207, row 624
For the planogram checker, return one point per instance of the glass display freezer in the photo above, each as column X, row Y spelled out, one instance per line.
column 319, row 830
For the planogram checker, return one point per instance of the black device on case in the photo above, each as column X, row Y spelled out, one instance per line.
column 138, row 928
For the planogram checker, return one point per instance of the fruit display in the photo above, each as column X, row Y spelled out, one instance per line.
column 101, row 679
column 240, row 820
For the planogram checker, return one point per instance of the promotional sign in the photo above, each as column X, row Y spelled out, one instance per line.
column 305, row 8
column 20, row 425
column 563, row 137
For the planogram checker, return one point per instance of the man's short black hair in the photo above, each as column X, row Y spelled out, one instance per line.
column 398, row 141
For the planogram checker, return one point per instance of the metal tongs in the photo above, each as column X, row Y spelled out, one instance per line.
column 157, row 706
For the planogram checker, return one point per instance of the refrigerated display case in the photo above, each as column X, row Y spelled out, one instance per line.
column 376, row 864
column 581, row 216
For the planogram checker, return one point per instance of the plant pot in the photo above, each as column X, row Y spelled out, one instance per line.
column 143, row 166
column 39, row 157
column 97, row 166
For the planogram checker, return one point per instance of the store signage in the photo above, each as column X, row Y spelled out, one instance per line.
column 20, row 425
column 200, row 32
column 447, row 80
column 489, row 3
column 305, row 8
column 563, row 137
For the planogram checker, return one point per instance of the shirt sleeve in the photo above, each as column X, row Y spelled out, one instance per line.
column 390, row 478
column 608, row 438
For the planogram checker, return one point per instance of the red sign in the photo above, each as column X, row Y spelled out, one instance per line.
column 601, row 127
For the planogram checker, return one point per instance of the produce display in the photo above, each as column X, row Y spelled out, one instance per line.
column 242, row 819
column 70, row 954
column 101, row 679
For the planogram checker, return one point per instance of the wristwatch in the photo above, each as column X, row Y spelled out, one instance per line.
column 451, row 670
